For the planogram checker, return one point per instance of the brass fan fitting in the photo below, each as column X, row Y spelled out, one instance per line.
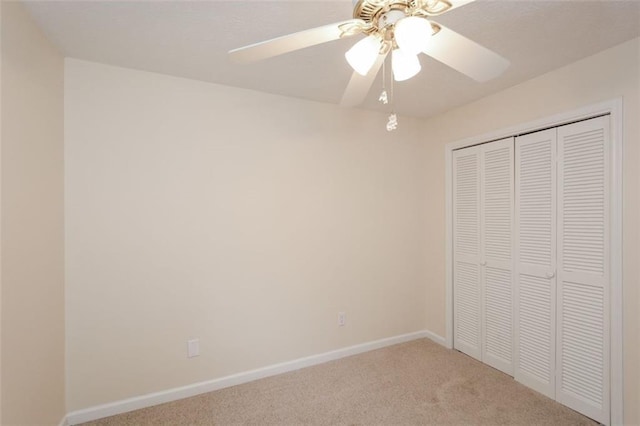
column 374, row 11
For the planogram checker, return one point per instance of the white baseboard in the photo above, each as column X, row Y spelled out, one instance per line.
column 435, row 337
column 148, row 400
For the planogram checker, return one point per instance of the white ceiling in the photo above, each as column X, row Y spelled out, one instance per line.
column 191, row 39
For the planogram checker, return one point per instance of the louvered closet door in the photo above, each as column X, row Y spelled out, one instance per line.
column 466, row 251
column 496, row 263
column 535, row 263
column 583, row 268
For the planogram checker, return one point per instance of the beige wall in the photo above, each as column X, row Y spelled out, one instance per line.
column 244, row 219
column 32, row 266
column 605, row 76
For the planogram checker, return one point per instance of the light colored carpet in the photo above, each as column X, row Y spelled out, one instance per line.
column 414, row 383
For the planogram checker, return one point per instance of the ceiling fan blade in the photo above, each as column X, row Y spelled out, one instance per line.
column 465, row 56
column 359, row 85
column 299, row 40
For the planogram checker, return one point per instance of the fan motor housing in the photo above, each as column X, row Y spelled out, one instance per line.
column 385, row 13
column 372, row 11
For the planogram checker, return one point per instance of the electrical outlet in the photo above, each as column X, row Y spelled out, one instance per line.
column 342, row 319
column 193, row 348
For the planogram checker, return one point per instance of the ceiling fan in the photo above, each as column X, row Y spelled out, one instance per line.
column 403, row 27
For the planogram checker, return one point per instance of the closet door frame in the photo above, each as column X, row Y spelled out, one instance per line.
column 613, row 108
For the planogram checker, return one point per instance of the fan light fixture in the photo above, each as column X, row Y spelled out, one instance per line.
column 363, row 54
column 404, row 65
column 412, row 34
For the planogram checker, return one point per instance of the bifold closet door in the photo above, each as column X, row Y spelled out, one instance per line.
column 496, row 236
column 482, row 231
column 583, row 267
column 466, row 251
column 535, row 263
column 562, row 264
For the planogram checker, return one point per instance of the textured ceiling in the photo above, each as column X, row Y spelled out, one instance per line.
column 191, row 39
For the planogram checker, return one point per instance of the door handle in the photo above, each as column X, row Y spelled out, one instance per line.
column 550, row 275
column 484, row 263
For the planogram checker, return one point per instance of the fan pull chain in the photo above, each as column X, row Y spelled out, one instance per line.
column 392, row 124
column 383, row 96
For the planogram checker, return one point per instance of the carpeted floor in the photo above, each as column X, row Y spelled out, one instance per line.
column 413, row 383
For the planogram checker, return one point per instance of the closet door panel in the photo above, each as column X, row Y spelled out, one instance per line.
column 535, row 260
column 466, row 251
column 583, row 268
column 497, row 244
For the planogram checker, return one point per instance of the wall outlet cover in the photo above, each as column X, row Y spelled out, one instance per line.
column 193, row 348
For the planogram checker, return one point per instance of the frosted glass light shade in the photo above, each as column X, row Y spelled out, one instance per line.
column 363, row 54
column 404, row 65
column 412, row 34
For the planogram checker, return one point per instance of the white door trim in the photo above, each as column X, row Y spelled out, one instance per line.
column 615, row 109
